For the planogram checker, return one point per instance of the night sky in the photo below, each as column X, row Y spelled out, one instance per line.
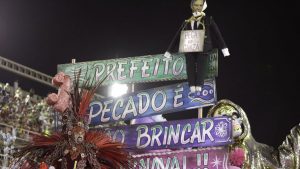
column 261, row 75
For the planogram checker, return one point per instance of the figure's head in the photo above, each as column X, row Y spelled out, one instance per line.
column 197, row 5
column 78, row 134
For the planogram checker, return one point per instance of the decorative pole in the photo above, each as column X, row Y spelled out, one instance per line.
column 75, row 165
column 200, row 113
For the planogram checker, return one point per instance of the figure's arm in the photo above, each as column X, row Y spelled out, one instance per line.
column 171, row 45
column 219, row 38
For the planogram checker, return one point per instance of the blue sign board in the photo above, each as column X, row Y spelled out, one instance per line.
column 162, row 100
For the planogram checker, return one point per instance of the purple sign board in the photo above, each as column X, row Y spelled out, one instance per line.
column 162, row 100
column 209, row 158
column 205, row 132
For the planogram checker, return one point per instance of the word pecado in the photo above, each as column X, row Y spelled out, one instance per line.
column 156, row 101
column 174, row 134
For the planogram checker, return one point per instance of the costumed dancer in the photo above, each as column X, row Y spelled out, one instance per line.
column 247, row 153
column 209, row 37
column 75, row 147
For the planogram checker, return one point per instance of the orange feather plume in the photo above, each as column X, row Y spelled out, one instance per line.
column 109, row 150
column 85, row 101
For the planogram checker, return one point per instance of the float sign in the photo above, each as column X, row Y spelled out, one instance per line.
column 162, row 100
column 205, row 132
column 151, row 68
column 209, row 158
column 191, row 41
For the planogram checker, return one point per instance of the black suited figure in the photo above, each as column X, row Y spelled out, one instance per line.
column 212, row 38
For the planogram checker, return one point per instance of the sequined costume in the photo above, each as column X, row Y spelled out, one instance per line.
column 258, row 155
column 75, row 146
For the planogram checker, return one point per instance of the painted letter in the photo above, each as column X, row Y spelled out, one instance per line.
column 146, row 67
column 121, row 70
column 175, row 72
column 155, row 71
column 141, row 102
column 130, row 108
column 114, row 116
column 178, row 95
column 92, row 107
column 105, row 110
column 115, row 137
column 174, row 135
column 207, row 131
column 110, row 70
column 167, row 61
column 188, row 127
column 99, row 73
column 155, row 136
column 196, row 133
column 163, row 101
column 141, row 136
column 133, row 67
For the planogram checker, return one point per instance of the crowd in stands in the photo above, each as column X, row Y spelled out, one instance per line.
column 24, row 110
column 22, row 115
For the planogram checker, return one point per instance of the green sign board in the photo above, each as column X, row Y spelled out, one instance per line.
column 150, row 68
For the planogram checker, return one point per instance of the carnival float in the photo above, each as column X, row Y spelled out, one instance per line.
column 129, row 131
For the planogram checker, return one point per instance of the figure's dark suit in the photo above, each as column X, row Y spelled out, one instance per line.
column 195, row 60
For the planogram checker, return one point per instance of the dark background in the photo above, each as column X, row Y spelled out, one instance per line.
column 261, row 75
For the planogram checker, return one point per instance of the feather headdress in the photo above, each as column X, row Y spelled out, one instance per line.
column 75, row 146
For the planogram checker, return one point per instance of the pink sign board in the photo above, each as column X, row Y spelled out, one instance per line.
column 208, row 158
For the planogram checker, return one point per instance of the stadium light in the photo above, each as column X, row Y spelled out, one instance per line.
column 117, row 90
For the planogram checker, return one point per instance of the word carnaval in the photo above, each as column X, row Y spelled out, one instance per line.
column 184, row 159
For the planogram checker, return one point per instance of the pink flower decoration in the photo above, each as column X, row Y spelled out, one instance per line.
column 58, row 79
column 61, row 100
column 237, row 157
column 52, row 99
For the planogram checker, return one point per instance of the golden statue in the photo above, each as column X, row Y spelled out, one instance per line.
column 258, row 155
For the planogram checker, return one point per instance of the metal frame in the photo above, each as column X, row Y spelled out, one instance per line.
column 25, row 71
